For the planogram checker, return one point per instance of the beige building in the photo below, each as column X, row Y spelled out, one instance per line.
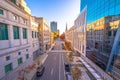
column 44, row 32
column 51, row 38
column 34, row 38
column 15, row 41
column 69, row 36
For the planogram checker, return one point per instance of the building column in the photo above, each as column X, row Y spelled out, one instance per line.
column 21, row 36
column 10, row 35
column 85, row 44
column 29, row 36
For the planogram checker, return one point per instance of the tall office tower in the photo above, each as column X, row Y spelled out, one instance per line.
column 103, row 35
column 53, row 26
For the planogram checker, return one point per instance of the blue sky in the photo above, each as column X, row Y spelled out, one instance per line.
column 62, row 11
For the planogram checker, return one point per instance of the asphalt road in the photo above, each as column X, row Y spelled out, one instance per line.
column 54, row 64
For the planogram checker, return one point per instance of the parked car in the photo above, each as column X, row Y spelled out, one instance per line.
column 40, row 71
column 53, row 48
column 67, row 72
column 67, row 68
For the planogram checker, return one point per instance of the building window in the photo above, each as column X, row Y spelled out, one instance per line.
column 115, row 33
column 24, row 20
column 1, row 12
column 19, row 53
column 24, row 33
column 3, row 32
column 32, row 34
column 35, row 34
column 8, row 67
column 7, row 58
column 109, row 33
column 15, row 17
column 27, row 56
column 16, row 32
column 26, row 49
column 21, row 7
column 20, row 61
column 13, row 1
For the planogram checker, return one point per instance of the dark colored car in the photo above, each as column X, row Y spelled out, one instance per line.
column 40, row 71
column 53, row 48
column 67, row 68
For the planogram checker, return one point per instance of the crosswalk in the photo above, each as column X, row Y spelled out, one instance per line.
column 60, row 51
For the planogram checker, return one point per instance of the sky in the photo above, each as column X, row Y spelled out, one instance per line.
column 62, row 11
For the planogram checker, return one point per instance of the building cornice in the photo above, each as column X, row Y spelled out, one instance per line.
column 16, row 6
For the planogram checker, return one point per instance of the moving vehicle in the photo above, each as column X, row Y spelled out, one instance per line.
column 40, row 71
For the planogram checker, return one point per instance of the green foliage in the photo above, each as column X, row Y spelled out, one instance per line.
column 76, row 73
column 38, row 62
column 70, row 57
column 56, row 35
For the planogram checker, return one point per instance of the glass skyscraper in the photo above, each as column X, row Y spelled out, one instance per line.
column 100, row 8
column 105, row 14
column 53, row 26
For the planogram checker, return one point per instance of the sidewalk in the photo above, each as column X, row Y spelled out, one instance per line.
column 84, row 75
column 97, row 69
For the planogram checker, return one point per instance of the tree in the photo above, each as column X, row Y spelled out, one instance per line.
column 56, row 35
column 70, row 56
column 38, row 62
column 62, row 36
column 76, row 73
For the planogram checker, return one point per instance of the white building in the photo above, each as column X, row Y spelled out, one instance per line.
column 15, row 41
column 80, row 33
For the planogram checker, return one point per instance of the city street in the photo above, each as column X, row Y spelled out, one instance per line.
column 54, row 64
column 59, row 39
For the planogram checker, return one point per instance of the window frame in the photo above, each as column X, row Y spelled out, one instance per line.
column 7, row 58
column 20, row 60
column 1, row 11
column 8, row 67
column 24, row 33
column 4, row 32
column 27, row 56
column 16, row 32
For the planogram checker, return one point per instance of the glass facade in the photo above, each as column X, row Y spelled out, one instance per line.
column 99, row 8
column 53, row 26
column 107, row 40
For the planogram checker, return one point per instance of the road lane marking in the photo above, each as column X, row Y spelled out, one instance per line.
column 52, row 71
column 59, row 66
column 63, row 66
